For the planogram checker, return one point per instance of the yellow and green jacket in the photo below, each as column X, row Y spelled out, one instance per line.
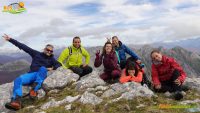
column 75, row 59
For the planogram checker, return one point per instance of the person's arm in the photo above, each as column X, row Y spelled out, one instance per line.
column 86, row 55
column 176, row 66
column 63, row 56
column 137, row 78
column 124, row 78
column 22, row 46
column 154, row 74
column 130, row 52
column 55, row 64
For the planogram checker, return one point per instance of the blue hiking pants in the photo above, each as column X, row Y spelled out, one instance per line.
column 27, row 79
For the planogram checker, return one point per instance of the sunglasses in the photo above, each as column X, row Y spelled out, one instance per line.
column 51, row 51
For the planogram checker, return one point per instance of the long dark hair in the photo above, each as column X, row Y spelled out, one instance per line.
column 131, row 66
column 104, row 47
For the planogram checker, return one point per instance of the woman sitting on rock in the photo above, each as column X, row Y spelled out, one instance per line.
column 110, row 63
column 131, row 73
column 167, row 74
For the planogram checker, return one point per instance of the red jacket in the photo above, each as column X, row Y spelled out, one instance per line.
column 163, row 71
column 110, row 62
column 124, row 78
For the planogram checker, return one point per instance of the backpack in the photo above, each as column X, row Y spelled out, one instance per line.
column 70, row 50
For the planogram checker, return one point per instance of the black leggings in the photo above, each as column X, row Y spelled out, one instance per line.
column 81, row 71
column 145, row 80
column 170, row 85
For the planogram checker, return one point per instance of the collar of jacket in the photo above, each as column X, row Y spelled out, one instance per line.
column 74, row 48
column 164, row 59
column 43, row 54
column 120, row 44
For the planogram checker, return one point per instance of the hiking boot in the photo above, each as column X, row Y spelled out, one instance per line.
column 33, row 85
column 185, row 88
column 178, row 95
column 15, row 104
column 115, row 80
column 33, row 94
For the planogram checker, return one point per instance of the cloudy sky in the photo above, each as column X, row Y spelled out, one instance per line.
column 133, row 21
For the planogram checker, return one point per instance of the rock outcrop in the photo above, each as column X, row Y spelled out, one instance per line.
column 90, row 89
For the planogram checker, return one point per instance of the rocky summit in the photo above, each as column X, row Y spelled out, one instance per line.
column 62, row 91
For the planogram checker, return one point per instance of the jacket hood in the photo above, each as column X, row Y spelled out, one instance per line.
column 164, row 59
column 75, row 47
column 120, row 43
column 43, row 54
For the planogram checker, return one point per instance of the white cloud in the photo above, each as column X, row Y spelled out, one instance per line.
column 144, row 22
column 128, row 11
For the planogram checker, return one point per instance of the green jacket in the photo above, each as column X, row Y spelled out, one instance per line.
column 75, row 59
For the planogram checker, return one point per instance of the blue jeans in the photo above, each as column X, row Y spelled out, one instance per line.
column 29, row 78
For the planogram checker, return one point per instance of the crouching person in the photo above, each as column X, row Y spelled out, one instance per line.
column 131, row 73
column 42, row 62
column 72, row 57
column 110, row 62
column 167, row 74
column 140, row 66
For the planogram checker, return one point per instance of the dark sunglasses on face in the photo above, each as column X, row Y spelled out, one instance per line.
column 48, row 50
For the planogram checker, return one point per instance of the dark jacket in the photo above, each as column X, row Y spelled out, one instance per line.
column 163, row 71
column 110, row 62
column 39, row 59
column 122, row 50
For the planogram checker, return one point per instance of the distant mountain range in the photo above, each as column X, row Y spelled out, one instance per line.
column 9, row 71
column 5, row 59
column 189, row 44
column 15, row 66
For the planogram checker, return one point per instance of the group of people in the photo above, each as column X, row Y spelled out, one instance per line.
column 167, row 74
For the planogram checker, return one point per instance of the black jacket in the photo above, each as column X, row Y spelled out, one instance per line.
column 38, row 58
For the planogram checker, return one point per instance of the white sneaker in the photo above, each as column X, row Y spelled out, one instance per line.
column 167, row 94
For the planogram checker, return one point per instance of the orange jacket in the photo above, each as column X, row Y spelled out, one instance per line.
column 124, row 78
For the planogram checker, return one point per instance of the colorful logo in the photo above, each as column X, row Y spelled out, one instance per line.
column 14, row 8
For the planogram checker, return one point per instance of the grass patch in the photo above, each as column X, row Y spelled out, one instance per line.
column 63, row 93
column 160, row 104
column 60, row 109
